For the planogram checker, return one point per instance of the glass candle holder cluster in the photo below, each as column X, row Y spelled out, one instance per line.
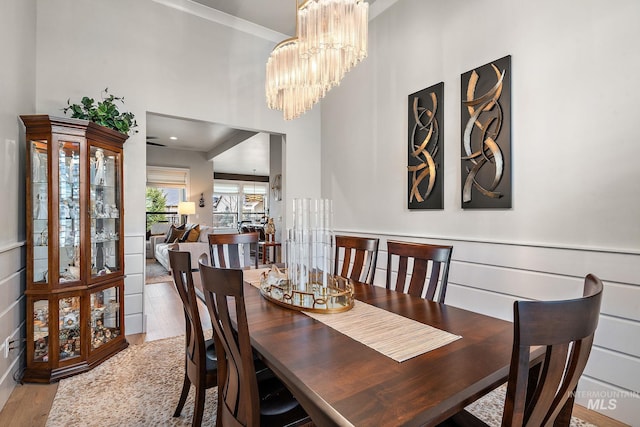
column 310, row 244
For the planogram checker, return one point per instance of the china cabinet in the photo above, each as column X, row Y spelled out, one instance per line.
column 75, row 252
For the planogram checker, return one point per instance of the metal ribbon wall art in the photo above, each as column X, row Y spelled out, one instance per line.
column 486, row 136
column 425, row 162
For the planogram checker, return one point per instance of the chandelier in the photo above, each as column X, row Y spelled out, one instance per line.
column 331, row 38
column 255, row 197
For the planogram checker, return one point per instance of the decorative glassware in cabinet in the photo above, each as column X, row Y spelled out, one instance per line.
column 105, row 316
column 69, row 210
column 41, row 331
column 40, row 214
column 105, row 211
column 69, row 323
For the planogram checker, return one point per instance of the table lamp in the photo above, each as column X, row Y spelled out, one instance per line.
column 186, row 209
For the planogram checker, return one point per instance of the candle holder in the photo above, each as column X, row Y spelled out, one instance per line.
column 322, row 293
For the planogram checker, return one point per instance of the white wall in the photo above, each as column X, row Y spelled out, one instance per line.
column 276, row 207
column 200, row 176
column 166, row 61
column 573, row 110
column 575, row 171
column 17, row 91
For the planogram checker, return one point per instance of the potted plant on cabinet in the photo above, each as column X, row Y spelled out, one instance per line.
column 103, row 112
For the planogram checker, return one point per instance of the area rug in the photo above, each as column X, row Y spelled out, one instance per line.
column 156, row 273
column 139, row 386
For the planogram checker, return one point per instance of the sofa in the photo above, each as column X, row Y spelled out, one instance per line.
column 157, row 234
column 196, row 248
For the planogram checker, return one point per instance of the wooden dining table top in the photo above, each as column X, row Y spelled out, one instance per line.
column 341, row 382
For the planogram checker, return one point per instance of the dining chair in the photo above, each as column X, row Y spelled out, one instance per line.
column 242, row 399
column 427, row 263
column 201, row 365
column 356, row 258
column 234, row 250
column 543, row 395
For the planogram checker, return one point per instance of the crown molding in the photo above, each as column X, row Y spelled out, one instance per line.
column 222, row 18
column 379, row 6
column 214, row 15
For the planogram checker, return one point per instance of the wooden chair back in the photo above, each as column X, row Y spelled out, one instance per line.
column 430, row 262
column 566, row 329
column 233, row 250
column 200, row 357
column 238, row 402
column 356, row 258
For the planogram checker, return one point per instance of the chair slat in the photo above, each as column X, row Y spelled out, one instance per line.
column 418, row 277
column 401, row 278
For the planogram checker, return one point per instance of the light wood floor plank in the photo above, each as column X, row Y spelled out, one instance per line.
column 595, row 418
column 28, row 405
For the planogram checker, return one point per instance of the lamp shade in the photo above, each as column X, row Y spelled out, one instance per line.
column 186, row 208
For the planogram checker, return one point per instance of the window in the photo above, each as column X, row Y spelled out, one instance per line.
column 236, row 201
column 166, row 187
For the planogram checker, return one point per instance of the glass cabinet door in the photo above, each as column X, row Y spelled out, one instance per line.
column 105, row 316
column 69, row 210
column 41, row 330
column 40, row 210
column 69, row 327
column 105, row 211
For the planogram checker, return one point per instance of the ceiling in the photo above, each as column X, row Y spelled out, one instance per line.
column 277, row 15
column 233, row 150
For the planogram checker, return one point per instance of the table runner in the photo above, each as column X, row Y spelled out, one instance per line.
column 390, row 334
column 395, row 336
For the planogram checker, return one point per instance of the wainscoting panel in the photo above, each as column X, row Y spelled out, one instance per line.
column 134, row 253
column 11, row 290
column 132, row 305
column 614, row 333
column 626, row 374
column 487, row 277
column 12, row 314
column 134, row 244
column 11, row 306
column 622, row 300
column 12, row 259
column 133, row 284
column 481, row 301
column 134, row 263
column 134, row 324
column 610, row 266
column 522, row 283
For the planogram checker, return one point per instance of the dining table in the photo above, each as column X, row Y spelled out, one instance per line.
column 341, row 381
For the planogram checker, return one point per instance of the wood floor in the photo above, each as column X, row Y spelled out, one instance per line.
column 29, row 404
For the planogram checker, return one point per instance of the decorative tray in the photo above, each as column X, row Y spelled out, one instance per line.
column 333, row 298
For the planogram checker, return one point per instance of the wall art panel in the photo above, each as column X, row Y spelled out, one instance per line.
column 426, row 151
column 486, row 136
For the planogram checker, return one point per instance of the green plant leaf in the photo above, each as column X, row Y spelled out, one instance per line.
column 104, row 113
